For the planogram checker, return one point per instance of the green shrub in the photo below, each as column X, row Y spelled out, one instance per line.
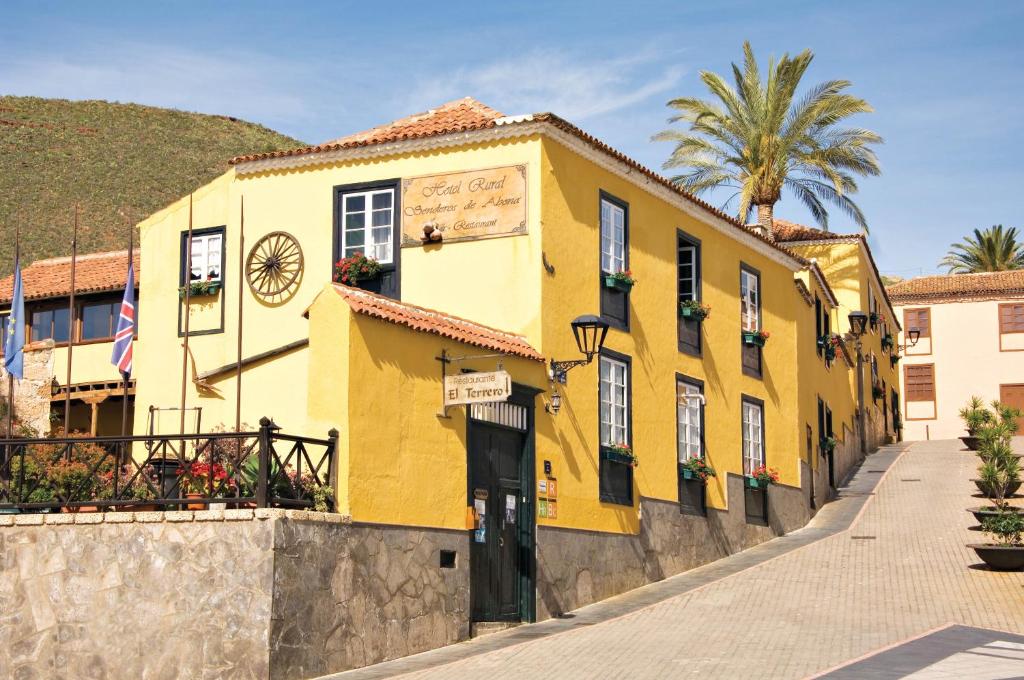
column 1007, row 527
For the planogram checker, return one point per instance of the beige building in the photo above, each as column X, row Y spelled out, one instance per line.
column 972, row 343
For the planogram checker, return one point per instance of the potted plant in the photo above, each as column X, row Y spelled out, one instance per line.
column 1000, row 468
column 355, row 268
column 307, row 487
column 197, row 479
column 755, row 338
column 873, row 319
column 621, row 453
column 200, row 288
column 828, row 444
column 893, row 360
column 829, row 343
column 1008, row 553
column 621, row 280
column 887, row 342
column 697, row 468
column 975, row 417
column 694, row 310
column 762, row 477
column 877, row 392
column 73, row 482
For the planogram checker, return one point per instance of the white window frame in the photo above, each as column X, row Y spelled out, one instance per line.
column 382, row 251
column 689, row 421
column 753, row 436
column 613, row 237
column 204, row 258
column 693, row 279
column 750, row 296
column 614, row 397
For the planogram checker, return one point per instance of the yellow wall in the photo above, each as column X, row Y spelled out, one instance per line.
column 571, row 242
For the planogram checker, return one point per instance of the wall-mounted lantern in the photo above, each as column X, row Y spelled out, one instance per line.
column 555, row 404
column 913, row 334
column 590, row 332
column 858, row 323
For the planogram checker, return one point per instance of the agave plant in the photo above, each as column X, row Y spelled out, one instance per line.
column 975, row 415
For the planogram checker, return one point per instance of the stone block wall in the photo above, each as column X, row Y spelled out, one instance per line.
column 220, row 594
column 32, row 395
column 576, row 568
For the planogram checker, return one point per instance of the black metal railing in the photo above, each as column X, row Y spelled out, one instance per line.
column 259, row 469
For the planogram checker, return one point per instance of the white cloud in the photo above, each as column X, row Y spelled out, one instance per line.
column 577, row 88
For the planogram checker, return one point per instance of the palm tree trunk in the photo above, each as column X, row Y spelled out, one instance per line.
column 766, row 217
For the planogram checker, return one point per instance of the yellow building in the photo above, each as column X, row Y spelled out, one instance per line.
column 493, row 234
column 97, row 394
column 850, row 269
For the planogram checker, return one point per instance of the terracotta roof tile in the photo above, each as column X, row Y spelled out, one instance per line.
column 954, row 287
column 787, row 232
column 94, row 273
column 438, row 323
column 454, row 116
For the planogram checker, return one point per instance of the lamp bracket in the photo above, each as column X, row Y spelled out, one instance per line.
column 560, row 368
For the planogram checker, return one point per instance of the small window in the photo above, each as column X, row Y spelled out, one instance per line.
column 50, row 324
column 1011, row 318
column 616, row 478
column 750, row 300
column 368, row 219
column 689, row 281
column 920, row 382
column 99, row 319
column 207, row 257
column 753, row 435
column 689, row 421
column 919, row 318
column 819, row 328
column 688, row 287
column 613, row 237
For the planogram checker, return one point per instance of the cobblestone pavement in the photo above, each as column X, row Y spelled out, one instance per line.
column 899, row 571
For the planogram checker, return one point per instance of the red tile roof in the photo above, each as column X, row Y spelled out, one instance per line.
column 94, row 273
column 467, row 114
column 438, row 323
column 957, row 287
column 787, row 232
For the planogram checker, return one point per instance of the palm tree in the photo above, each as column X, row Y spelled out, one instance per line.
column 758, row 137
column 992, row 250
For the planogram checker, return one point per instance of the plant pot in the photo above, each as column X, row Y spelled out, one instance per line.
column 688, row 474
column 986, row 511
column 147, row 507
column 691, row 314
column 984, row 488
column 972, row 443
column 754, row 339
column 618, row 284
column 616, row 457
column 81, row 508
column 1000, row 557
column 755, row 483
column 195, row 506
column 247, row 505
column 211, row 290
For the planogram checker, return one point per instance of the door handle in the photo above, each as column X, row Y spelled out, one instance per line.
column 501, row 541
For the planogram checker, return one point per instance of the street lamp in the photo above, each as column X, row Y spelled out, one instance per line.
column 858, row 327
column 858, row 323
column 590, row 332
column 914, row 334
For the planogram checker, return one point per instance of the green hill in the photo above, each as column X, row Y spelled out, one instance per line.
column 113, row 159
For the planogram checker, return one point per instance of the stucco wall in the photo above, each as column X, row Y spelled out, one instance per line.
column 970, row 359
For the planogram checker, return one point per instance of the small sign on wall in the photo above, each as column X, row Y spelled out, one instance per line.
column 475, row 388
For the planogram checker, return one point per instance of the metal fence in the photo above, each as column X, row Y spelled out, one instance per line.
column 259, row 469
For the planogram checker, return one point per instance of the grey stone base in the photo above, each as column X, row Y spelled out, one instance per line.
column 240, row 595
column 576, row 568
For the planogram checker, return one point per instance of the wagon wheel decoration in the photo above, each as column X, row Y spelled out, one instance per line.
column 274, row 265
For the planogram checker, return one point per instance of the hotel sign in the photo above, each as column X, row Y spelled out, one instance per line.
column 465, row 206
column 476, row 388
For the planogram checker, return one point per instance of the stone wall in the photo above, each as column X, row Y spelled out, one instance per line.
column 32, row 395
column 220, row 594
column 576, row 568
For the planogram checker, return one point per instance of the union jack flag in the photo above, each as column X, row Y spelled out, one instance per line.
column 125, row 334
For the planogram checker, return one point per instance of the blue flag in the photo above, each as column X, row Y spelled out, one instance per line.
column 14, row 343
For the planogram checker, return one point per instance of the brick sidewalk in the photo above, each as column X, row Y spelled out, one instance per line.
column 902, row 569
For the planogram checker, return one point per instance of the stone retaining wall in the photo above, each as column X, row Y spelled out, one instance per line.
column 576, row 568
column 220, row 594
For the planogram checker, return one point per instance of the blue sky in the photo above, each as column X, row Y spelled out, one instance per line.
column 946, row 78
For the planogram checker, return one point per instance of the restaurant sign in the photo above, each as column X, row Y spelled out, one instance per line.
column 476, row 388
column 464, row 206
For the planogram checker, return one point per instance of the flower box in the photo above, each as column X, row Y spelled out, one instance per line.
column 621, row 455
column 200, row 289
column 618, row 283
column 755, row 483
column 694, row 311
column 688, row 474
column 755, row 338
column 887, row 343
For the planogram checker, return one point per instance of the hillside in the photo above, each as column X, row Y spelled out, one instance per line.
column 113, row 159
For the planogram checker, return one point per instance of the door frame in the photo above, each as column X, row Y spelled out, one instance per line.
column 522, row 395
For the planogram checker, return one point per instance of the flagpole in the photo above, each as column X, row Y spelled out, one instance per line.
column 71, row 331
column 131, row 261
column 188, row 299
column 238, row 365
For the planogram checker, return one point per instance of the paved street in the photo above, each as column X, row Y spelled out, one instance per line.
column 873, row 569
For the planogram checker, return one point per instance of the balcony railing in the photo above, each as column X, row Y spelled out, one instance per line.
column 260, row 469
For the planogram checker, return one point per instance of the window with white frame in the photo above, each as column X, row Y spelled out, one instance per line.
column 614, row 402
column 750, row 300
column 753, row 436
column 688, row 284
column 688, row 421
column 206, row 259
column 613, row 237
column 368, row 219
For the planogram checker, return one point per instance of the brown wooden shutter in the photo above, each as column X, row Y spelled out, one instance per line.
column 919, row 318
column 1011, row 318
column 920, row 382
